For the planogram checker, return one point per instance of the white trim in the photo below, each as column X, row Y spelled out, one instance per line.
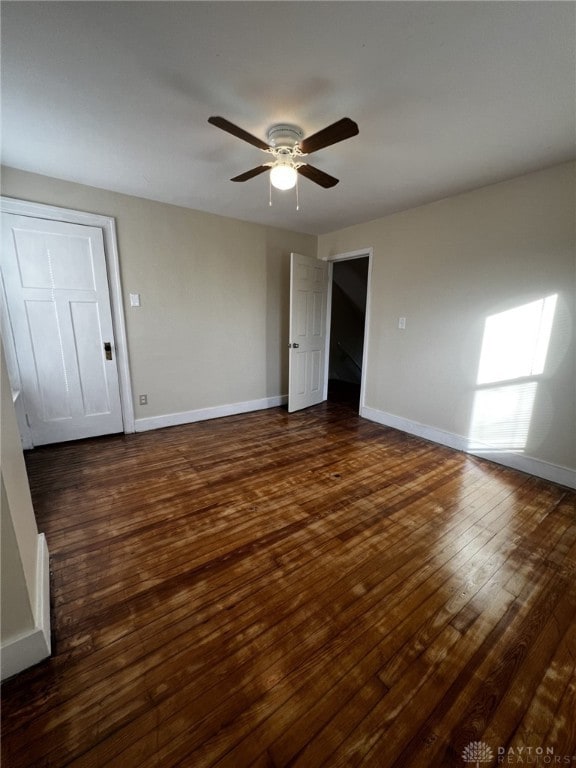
column 108, row 226
column 25, row 432
column 203, row 414
column 43, row 590
column 358, row 254
column 34, row 645
column 348, row 256
column 13, row 369
column 415, row 428
column 552, row 472
column 328, row 329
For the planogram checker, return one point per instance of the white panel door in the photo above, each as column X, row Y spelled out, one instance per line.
column 308, row 308
column 59, row 309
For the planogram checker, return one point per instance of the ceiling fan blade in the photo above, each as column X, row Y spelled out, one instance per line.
column 343, row 129
column 251, row 173
column 318, row 176
column 240, row 133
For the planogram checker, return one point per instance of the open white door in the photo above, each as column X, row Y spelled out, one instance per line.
column 59, row 309
column 308, row 311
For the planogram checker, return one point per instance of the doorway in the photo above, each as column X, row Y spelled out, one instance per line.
column 348, row 315
column 64, row 331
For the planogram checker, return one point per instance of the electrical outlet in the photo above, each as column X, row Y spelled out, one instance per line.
column 143, row 399
column 402, row 323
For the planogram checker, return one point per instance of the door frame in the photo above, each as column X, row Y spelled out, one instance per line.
column 108, row 227
column 349, row 256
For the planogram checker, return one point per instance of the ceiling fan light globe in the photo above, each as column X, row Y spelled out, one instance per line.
column 283, row 177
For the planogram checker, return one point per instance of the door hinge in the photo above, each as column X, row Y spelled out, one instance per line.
column 27, row 420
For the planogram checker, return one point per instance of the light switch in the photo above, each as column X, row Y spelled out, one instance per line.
column 134, row 299
column 402, row 323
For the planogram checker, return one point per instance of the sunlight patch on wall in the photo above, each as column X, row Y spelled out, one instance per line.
column 514, row 350
column 501, row 416
column 515, row 342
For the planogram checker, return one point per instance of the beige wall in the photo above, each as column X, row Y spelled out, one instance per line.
column 16, row 608
column 449, row 266
column 19, row 532
column 212, row 328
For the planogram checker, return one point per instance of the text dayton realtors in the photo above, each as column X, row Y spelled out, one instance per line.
column 532, row 756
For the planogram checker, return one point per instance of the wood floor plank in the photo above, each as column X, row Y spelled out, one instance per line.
column 305, row 589
column 460, row 717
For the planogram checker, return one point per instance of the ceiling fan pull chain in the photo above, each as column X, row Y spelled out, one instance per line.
column 297, row 202
column 270, row 191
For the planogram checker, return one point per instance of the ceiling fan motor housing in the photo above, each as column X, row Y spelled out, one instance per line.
column 283, row 135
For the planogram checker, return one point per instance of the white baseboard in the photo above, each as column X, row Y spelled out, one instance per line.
column 552, row 472
column 203, row 414
column 33, row 646
column 415, row 428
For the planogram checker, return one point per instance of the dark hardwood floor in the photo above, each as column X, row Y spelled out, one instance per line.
column 297, row 590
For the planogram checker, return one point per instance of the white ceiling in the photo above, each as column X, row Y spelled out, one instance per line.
column 448, row 96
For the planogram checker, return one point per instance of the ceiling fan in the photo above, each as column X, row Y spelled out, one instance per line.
column 286, row 144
